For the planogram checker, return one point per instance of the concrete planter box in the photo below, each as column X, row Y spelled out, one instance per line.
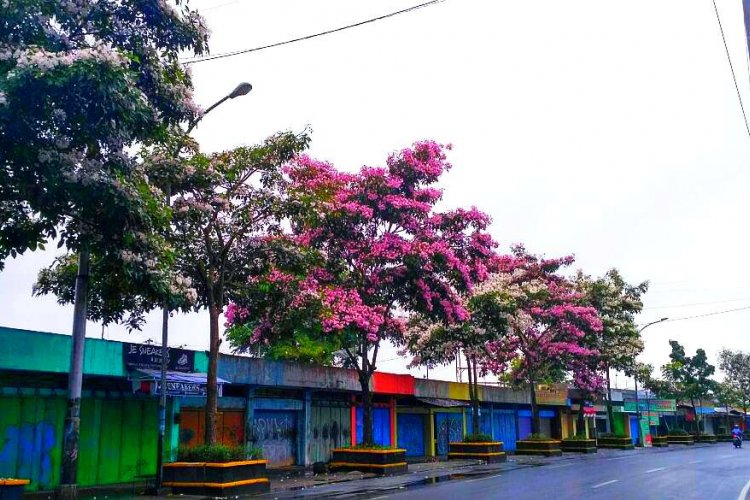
column 490, row 452
column 724, row 438
column 579, row 445
column 549, row 448
column 705, row 438
column 388, row 462
column 617, row 443
column 659, row 441
column 12, row 489
column 219, row 480
column 680, row 439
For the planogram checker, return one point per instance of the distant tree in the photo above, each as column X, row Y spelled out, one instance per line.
column 548, row 326
column 736, row 366
column 617, row 303
column 690, row 376
column 728, row 395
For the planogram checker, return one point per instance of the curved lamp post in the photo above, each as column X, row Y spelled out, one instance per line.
column 242, row 89
column 635, row 380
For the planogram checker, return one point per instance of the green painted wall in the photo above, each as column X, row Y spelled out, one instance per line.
column 118, row 440
column 49, row 352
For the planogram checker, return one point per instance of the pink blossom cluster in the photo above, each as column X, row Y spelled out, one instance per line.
column 44, row 60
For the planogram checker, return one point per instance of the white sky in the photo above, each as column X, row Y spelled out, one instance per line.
column 610, row 130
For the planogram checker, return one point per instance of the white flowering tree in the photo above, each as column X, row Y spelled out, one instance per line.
column 227, row 209
column 617, row 303
column 83, row 84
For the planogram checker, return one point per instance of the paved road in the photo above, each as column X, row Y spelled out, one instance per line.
column 702, row 472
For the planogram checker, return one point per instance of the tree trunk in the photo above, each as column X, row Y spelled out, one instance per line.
column 535, row 422
column 581, row 421
column 473, row 396
column 610, row 413
column 71, row 434
column 367, row 434
column 212, row 390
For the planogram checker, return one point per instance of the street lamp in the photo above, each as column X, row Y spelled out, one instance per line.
column 635, row 380
column 242, row 89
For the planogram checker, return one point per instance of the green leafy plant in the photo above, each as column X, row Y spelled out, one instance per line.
column 477, row 437
column 577, row 437
column 537, row 437
column 678, row 432
column 612, row 435
column 216, row 453
column 363, row 446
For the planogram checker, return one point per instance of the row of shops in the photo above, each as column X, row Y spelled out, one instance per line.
column 295, row 413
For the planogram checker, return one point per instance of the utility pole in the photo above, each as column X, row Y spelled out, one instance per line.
column 635, row 379
column 68, row 488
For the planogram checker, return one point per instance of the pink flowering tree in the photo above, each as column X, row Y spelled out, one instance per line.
column 548, row 324
column 365, row 249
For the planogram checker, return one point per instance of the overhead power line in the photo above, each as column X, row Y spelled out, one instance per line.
column 708, row 314
column 731, row 67
column 196, row 60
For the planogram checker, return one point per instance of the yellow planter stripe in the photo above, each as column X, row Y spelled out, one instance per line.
column 536, row 441
column 245, row 482
column 14, row 482
column 215, row 464
column 495, row 443
column 353, row 464
column 532, row 452
column 355, row 450
column 459, row 454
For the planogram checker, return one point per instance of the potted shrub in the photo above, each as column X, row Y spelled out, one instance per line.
column 724, row 438
column 538, row 444
column 680, row 436
column 12, row 489
column 381, row 460
column 479, row 446
column 614, row 441
column 217, row 471
column 659, row 441
column 578, row 444
column 704, row 437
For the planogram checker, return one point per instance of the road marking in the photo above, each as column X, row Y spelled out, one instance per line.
column 743, row 493
column 655, row 470
column 726, row 456
column 695, row 462
column 605, row 484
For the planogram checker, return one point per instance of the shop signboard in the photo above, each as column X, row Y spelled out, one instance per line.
column 145, row 356
column 655, row 405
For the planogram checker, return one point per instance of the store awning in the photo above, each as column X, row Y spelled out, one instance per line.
column 443, row 403
column 148, row 381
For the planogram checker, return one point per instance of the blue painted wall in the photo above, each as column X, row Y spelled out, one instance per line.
column 449, row 427
column 381, row 418
column 504, row 428
column 410, row 428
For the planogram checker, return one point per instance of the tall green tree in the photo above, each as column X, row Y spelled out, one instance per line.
column 736, row 366
column 228, row 207
column 617, row 303
column 691, row 377
column 83, row 84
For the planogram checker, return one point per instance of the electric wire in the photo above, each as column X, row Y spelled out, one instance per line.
column 196, row 60
column 731, row 67
column 715, row 313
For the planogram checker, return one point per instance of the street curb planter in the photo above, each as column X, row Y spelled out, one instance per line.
column 724, row 438
column 705, row 438
column 548, row 448
column 578, row 445
column 680, row 439
column 491, row 452
column 219, row 480
column 659, row 441
column 388, row 462
column 12, row 489
column 617, row 443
